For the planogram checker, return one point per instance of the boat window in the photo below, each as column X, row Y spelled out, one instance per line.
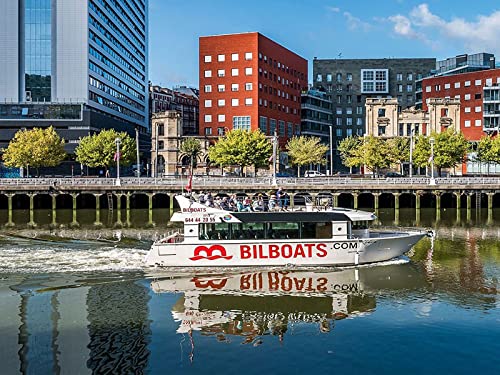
column 356, row 225
column 240, row 231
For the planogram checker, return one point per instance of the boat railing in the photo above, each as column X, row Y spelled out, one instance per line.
column 173, row 236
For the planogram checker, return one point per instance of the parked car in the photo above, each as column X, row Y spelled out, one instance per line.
column 284, row 174
column 393, row 174
column 313, row 174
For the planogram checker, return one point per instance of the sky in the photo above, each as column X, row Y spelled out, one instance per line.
column 322, row 29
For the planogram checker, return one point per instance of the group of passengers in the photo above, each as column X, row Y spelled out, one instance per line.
column 278, row 201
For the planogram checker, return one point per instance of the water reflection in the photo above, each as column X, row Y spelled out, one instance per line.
column 249, row 308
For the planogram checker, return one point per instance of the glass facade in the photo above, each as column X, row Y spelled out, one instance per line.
column 37, row 49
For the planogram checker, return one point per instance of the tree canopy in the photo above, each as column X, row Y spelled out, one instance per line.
column 348, row 151
column 191, row 147
column 306, row 150
column 35, row 148
column 241, row 147
column 374, row 153
column 99, row 149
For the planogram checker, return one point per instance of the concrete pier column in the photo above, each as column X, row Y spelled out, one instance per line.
column 118, row 223
column 469, row 206
column 490, row 207
column 128, row 210
column 171, row 199
column 74, row 223
column 418, row 195
column 355, row 200
column 335, row 199
column 97, row 221
column 396, row 207
column 10, row 222
column 32, row 223
column 150, row 210
column 292, row 200
column 437, row 194
column 54, row 210
column 458, row 195
column 376, row 197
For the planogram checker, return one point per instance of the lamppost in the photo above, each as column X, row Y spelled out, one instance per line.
column 137, row 151
column 118, row 141
column 275, row 149
column 411, row 152
column 432, row 181
column 331, row 150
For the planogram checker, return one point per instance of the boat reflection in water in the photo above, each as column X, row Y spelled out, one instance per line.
column 253, row 305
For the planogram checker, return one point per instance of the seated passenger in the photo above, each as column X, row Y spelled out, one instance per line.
column 272, row 203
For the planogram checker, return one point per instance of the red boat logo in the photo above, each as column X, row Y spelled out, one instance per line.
column 213, row 283
column 213, row 252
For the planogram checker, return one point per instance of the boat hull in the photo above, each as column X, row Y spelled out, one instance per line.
column 259, row 253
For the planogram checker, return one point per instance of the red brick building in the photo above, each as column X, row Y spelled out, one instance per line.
column 247, row 81
column 479, row 98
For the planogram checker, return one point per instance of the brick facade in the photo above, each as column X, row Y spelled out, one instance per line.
column 260, row 78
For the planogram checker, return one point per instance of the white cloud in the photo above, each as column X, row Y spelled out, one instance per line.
column 476, row 35
column 354, row 23
column 333, row 9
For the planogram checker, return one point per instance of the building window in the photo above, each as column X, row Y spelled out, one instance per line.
column 289, row 130
column 235, row 72
column 338, row 77
column 457, row 85
column 248, row 86
column 437, row 87
column 241, row 122
column 208, row 59
column 208, row 103
column 339, row 99
column 428, row 89
column 221, row 118
column 359, row 110
column 221, row 88
column 467, row 97
column 221, row 102
column 339, row 110
column 208, row 118
column 467, row 123
column 319, row 78
column 208, row 73
column 478, row 109
column 338, row 133
column 478, row 82
column 349, row 121
column 248, row 56
column 409, row 76
column 281, row 127
column 477, row 96
column 263, row 124
column 338, row 121
column 221, row 58
column 409, row 88
column 381, row 130
column 349, row 77
column 235, row 87
column 161, row 145
column 235, row 102
column 409, row 98
column 447, row 86
column 328, row 78
column 367, row 86
column 467, row 110
column 477, row 122
column 400, row 88
column 349, row 132
column 160, row 129
column 248, row 101
column 248, row 71
column 208, row 131
column 381, row 112
column 399, row 77
column 235, row 57
column 349, row 99
column 359, row 121
column 348, row 111
column 220, row 132
column 221, row 73
column 208, row 88
column 467, row 83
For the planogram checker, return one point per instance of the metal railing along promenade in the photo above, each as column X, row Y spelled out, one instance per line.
column 208, row 181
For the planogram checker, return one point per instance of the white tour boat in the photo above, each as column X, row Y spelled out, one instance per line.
column 312, row 237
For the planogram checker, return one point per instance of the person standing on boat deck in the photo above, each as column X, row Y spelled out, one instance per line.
column 272, row 203
column 201, row 198
column 247, row 204
column 279, row 197
column 285, row 199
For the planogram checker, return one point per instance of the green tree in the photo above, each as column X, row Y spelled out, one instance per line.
column 99, row 149
column 306, row 150
column 450, row 149
column 35, row 148
column 241, row 147
column 485, row 150
column 191, row 147
column 348, row 151
column 374, row 153
column 399, row 150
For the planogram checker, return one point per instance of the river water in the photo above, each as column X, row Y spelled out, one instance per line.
column 82, row 302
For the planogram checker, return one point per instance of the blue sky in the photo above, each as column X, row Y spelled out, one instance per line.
column 322, row 28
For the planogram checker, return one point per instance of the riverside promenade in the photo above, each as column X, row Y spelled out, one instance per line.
column 148, row 193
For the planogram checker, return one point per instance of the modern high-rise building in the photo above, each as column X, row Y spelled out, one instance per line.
column 248, row 81
column 351, row 81
column 79, row 65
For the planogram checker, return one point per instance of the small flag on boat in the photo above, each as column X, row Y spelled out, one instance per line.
column 189, row 185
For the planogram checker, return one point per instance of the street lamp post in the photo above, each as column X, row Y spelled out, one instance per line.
column 432, row 180
column 411, row 152
column 118, row 141
column 275, row 149
column 137, row 151
column 331, row 150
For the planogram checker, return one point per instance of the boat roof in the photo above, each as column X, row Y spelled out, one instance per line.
column 290, row 216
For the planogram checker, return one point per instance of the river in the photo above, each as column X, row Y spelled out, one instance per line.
column 81, row 301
